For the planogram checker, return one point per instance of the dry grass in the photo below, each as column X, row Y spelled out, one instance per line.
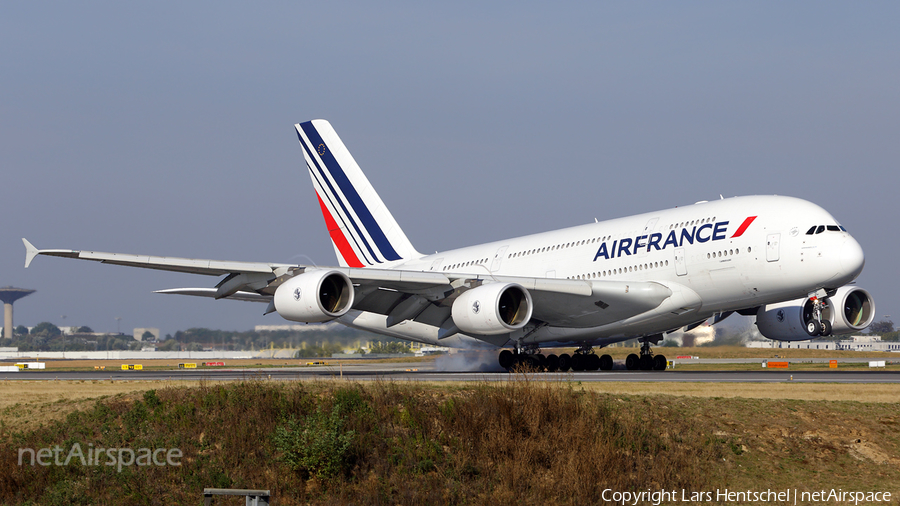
column 865, row 392
column 521, row 441
column 411, row 444
column 25, row 405
column 860, row 392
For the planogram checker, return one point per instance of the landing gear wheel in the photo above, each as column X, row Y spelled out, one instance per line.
column 593, row 362
column 578, row 362
column 826, row 328
column 646, row 363
column 523, row 362
column 552, row 363
column 659, row 363
column 565, row 362
column 813, row 328
column 507, row 359
column 606, row 363
column 632, row 362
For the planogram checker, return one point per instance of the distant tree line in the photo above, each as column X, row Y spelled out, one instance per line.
column 46, row 336
column 310, row 343
column 885, row 329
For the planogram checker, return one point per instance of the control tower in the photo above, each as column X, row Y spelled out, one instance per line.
column 9, row 295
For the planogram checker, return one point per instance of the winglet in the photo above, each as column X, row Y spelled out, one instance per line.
column 30, row 252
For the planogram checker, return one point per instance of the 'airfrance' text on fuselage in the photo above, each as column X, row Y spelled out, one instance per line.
column 701, row 234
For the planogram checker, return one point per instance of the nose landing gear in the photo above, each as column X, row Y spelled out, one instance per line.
column 816, row 323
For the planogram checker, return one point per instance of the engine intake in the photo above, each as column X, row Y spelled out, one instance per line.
column 853, row 308
column 315, row 296
column 495, row 308
column 850, row 309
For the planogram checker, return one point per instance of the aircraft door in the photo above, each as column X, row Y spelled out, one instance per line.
column 680, row 265
column 498, row 258
column 773, row 248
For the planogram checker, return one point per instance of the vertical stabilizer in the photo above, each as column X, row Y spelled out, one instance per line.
column 362, row 230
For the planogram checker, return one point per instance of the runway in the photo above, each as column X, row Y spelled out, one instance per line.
column 427, row 372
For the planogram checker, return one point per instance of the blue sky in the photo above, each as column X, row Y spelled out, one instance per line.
column 167, row 129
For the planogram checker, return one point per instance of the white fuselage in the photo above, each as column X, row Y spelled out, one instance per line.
column 717, row 256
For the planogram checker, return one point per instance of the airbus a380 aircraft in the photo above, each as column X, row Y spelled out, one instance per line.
column 782, row 259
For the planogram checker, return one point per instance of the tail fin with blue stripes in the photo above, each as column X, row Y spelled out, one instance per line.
column 362, row 230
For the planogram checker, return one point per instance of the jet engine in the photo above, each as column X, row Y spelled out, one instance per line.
column 315, row 296
column 850, row 309
column 495, row 308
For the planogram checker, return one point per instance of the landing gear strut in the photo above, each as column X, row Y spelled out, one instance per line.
column 647, row 361
column 817, row 325
column 584, row 359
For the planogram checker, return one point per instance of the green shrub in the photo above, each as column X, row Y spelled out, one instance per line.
column 316, row 445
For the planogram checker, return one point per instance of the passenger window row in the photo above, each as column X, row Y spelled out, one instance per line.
column 621, row 270
column 465, row 264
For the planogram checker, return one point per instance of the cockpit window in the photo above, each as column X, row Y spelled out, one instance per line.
column 818, row 229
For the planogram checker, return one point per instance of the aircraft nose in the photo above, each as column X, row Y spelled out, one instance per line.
column 852, row 257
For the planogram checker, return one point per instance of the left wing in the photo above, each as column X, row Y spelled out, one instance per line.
column 190, row 265
column 423, row 296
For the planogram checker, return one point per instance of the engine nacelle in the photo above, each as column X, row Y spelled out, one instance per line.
column 494, row 308
column 315, row 296
column 851, row 309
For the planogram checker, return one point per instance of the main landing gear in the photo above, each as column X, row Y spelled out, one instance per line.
column 530, row 357
column 647, row 361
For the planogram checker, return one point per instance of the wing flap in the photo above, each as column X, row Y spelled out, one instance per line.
column 397, row 279
column 552, row 285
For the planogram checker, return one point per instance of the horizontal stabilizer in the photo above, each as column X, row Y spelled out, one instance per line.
column 211, row 293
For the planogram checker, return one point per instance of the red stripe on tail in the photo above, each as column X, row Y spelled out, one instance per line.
column 743, row 227
column 338, row 238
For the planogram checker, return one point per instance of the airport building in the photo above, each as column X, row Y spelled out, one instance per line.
column 854, row 343
column 139, row 334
